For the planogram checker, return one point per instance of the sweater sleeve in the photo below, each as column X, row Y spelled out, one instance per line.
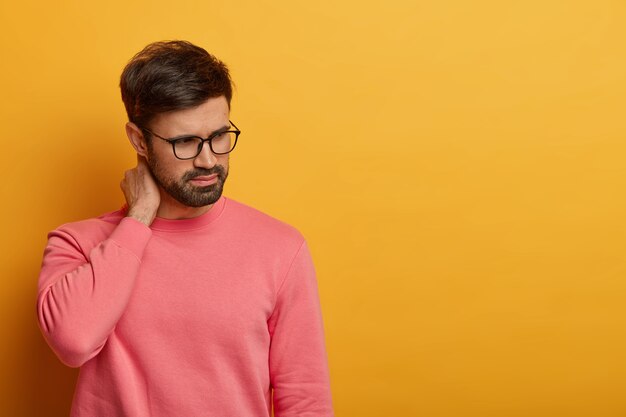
column 298, row 362
column 81, row 296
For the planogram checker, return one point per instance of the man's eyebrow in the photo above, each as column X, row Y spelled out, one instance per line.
column 220, row 130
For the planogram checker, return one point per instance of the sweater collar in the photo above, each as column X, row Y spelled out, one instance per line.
column 198, row 222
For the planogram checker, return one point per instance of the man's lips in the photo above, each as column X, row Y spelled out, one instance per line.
column 204, row 180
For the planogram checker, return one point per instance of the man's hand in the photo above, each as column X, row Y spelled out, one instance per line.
column 141, row 192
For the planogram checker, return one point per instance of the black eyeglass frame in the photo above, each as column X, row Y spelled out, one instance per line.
column 173, row 141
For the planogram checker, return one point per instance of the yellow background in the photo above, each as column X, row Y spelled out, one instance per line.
column 456, row 166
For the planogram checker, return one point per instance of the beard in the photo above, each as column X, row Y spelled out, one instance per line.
column 185, row 192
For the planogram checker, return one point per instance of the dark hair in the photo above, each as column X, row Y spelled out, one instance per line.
column 171, row 75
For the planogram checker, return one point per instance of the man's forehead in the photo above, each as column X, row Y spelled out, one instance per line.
column 201, row 120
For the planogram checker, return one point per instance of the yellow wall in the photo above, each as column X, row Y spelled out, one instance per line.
column 458, row 168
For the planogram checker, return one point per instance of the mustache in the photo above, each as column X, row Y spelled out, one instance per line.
column 198, row 172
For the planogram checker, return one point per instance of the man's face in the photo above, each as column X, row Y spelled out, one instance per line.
column 175, row 175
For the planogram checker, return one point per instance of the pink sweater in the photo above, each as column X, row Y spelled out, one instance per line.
column 194, row 317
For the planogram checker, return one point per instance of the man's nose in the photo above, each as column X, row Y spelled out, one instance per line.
column 206, row 158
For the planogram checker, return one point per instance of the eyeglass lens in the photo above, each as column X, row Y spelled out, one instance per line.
column 189, row 147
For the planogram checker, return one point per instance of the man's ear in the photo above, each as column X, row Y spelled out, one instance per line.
column 135, row 135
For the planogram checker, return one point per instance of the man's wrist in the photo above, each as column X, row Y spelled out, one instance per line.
column 141, row 216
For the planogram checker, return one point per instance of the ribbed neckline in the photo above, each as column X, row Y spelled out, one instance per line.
column 199, row 222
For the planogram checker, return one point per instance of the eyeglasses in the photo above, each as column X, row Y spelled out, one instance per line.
column 189, row 146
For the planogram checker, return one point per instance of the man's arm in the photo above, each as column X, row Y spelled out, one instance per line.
column 298, row 361
column 81, row 296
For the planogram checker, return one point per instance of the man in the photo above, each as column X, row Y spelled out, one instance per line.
column 184, row 302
